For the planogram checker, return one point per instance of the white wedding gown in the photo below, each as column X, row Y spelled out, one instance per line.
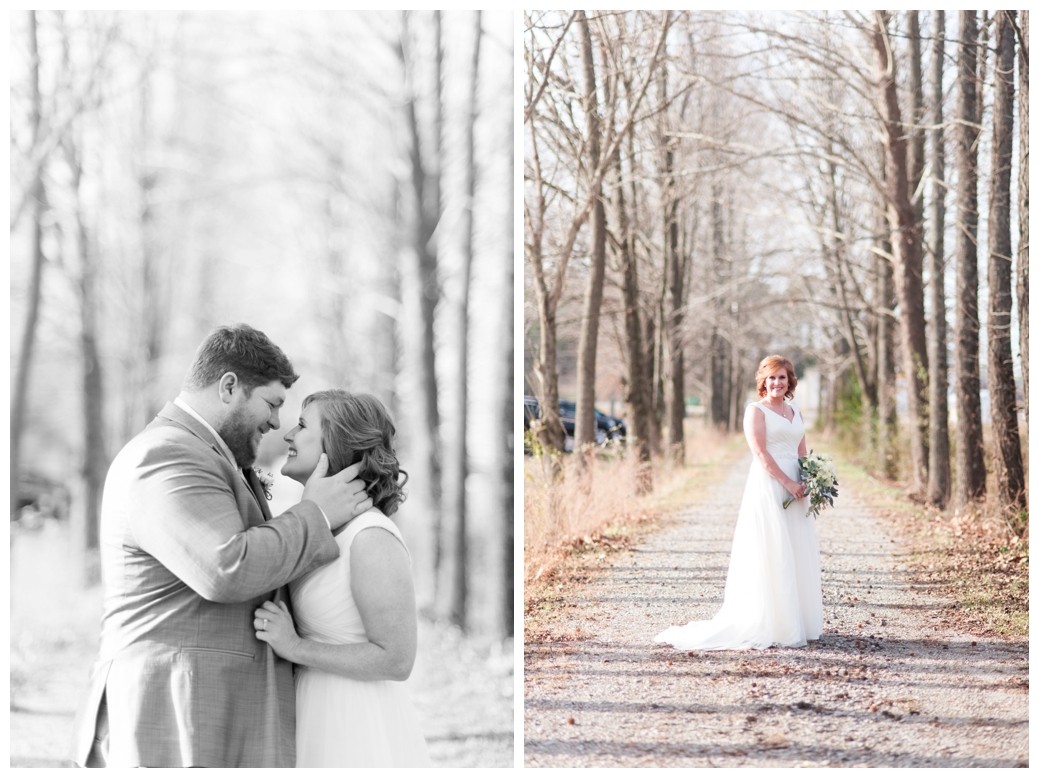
column 341, row 722
column 773, row 593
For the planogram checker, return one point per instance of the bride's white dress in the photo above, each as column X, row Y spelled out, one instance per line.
column 341, row 722
column 773, row 593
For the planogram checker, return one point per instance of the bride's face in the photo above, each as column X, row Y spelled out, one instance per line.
column 776, row 384
column 304, row 445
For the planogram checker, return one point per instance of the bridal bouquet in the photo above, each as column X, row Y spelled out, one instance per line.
column 820, row 480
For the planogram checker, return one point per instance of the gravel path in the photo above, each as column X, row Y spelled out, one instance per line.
column 886, row 686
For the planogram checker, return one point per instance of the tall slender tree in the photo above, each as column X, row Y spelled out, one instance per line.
column 907, row 243
column 638, row 384
column 939, row 482
column 38, row 200
column 675, row 263
column 1022, row 203
column 456, row 464
column 584, row 422
column 424, row 211
column 970, row 453
column 1010, row 479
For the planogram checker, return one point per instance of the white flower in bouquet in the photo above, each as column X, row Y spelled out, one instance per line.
column 819, row 477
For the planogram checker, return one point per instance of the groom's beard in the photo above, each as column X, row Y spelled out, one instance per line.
column 238, row 438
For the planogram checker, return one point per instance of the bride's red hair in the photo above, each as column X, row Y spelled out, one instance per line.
column 771, row 364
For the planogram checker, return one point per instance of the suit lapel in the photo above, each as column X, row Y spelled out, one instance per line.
column 240, row 482
column 257, row 489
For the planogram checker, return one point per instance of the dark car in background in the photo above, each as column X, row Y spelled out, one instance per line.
column 608, row 429
column 39, row 498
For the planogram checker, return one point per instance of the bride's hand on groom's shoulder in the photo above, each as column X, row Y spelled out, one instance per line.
column 341, row 496
column 274, row 626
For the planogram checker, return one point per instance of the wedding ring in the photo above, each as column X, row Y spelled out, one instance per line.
column 265, row 623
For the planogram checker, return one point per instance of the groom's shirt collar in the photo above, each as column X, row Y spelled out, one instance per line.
column 181, row 403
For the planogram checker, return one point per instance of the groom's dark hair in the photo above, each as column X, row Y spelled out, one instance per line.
column 244, row 351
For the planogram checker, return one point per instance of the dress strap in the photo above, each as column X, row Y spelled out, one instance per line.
column 376, row 519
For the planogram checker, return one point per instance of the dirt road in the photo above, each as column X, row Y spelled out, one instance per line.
column 888, row 685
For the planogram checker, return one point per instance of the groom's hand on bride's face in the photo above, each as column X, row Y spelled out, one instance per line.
column 341, row 496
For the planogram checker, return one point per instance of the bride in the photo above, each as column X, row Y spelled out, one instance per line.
column 355, row 616
column 773, row 594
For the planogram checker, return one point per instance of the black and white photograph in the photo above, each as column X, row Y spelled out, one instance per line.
column 262, row 406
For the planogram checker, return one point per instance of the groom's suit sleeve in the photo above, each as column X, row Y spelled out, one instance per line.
column 182, row 510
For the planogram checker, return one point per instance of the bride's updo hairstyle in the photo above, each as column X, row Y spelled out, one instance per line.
column 357, row 428
column 770, row 365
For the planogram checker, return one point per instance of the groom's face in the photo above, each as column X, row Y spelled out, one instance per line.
column 250, row 418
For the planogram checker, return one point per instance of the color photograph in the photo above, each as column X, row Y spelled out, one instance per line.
column 775, row 389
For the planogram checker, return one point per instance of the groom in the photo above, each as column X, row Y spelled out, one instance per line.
column 188, row 551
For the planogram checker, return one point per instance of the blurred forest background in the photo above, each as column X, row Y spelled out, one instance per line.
column 849, row 189
column 341, row 181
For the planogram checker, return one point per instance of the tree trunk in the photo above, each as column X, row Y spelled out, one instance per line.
column 20, row 401
column 456, row 465
column 887, row 418
column 970, row 454
column 674, row 299
column 584, row 423
column 1010, row 479
column 85, row 516
column 638, row 382
column 908, row 256
column 939, row 478
column 507, row 464
column 718, row 407
column 424, row 214
column 1022, row 206
column 548, row 429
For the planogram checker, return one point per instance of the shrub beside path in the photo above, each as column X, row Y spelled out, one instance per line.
column 888, row 685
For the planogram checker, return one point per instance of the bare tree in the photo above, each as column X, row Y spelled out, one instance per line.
column 539, row 206
column 908, row 256
column 939, row 478
column 424, row 211
column 456, row 466
column 584, row 422
column 38, row 198
column 638, row 384
column 1010, row 480
column 676, row 263
column 94, row 464
column 970, row 453
column 1022, row 203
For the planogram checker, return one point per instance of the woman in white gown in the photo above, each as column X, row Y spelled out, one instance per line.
column 773, row 594
column 356, row 620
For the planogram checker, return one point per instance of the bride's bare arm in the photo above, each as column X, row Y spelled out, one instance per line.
column 380, row 577
column 754, row 429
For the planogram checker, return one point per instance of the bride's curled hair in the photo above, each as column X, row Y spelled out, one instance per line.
column 772, row 364
column 358, row 428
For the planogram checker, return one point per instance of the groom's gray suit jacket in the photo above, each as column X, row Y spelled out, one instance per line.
column 188, row 551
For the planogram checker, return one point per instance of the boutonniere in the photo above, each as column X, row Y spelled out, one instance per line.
column 266, row 481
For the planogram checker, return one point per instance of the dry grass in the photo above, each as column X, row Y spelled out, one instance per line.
column 573, row 520
column 973, row 556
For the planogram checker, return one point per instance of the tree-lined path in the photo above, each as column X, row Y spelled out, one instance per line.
column 888, row 685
